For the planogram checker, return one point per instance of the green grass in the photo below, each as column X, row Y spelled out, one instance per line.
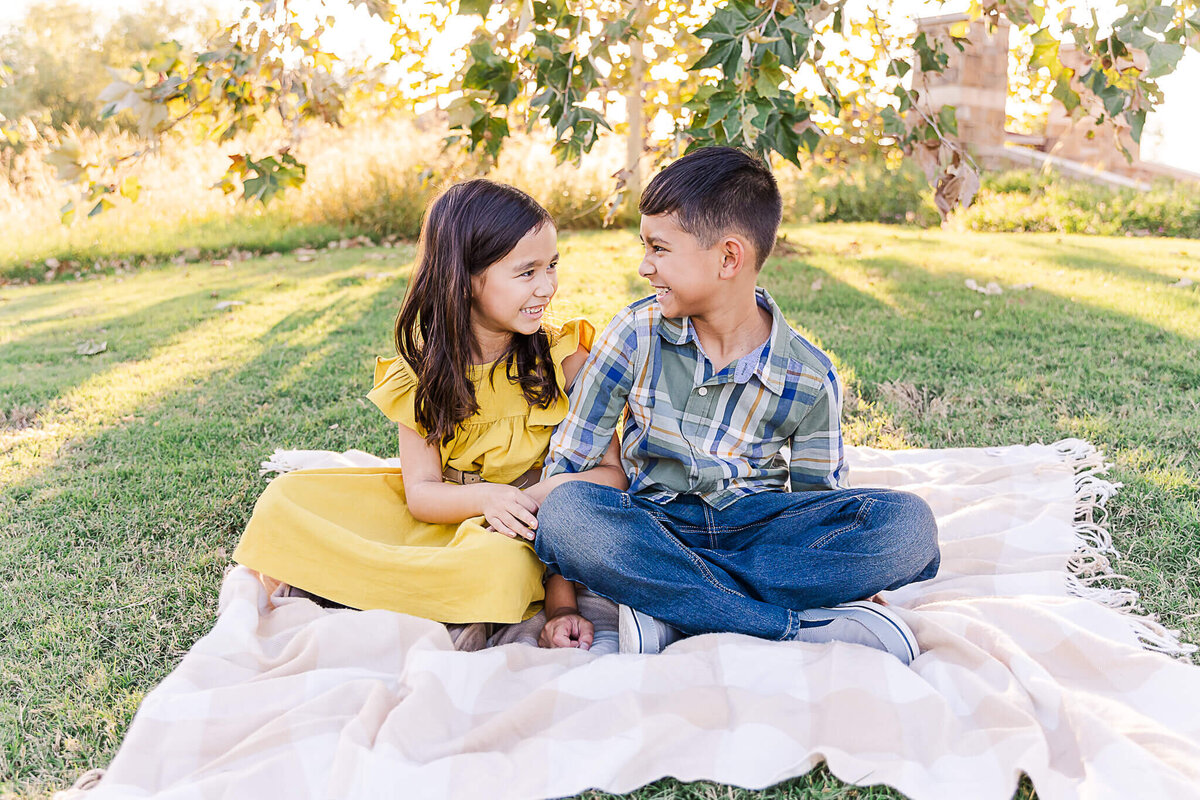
column 129, row 475
column 103, row 244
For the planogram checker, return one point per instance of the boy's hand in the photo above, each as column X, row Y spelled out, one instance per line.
column 510, row 511
column 568, row 629
column 539, row 491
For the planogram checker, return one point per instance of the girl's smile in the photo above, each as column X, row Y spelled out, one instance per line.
column 511, row 295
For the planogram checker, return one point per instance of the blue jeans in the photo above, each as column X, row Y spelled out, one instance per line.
column 747, row 568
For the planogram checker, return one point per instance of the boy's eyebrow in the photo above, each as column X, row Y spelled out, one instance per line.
column 652, row 238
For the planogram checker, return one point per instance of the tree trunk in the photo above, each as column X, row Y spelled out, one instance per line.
column 635, row 140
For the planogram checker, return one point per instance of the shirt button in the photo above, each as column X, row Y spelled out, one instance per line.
column 703, row 390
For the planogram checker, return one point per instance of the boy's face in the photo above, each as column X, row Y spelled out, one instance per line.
column 685, row 276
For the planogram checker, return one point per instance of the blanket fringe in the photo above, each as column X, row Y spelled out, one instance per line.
column 82, row 785
column 278, row 462
column 1090, row 565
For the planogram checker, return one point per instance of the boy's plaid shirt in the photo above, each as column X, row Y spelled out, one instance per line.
column 689, row 431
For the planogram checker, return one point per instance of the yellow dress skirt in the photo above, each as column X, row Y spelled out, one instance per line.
column 346, row 534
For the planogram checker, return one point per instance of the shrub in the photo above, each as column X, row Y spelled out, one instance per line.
column 1023, row 200
column 865, row 190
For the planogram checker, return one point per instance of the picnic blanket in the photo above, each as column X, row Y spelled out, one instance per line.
column 1032, row 663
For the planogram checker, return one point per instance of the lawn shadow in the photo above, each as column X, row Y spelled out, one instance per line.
column 1079, row 256
column 131, row 336
column 153, row 507
column 919, row 326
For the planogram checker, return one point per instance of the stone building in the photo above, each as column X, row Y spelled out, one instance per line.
column 976, row 83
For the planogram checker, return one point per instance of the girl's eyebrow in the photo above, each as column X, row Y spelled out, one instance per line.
column 533, row 263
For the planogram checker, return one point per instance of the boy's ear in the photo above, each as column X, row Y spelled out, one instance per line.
column 735, row 255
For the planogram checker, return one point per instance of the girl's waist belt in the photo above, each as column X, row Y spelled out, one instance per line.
column 524, row 481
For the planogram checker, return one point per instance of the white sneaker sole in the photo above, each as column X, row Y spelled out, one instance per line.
column 894, row 636
column 636, row 632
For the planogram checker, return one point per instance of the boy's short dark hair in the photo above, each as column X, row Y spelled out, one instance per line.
column 713, row 191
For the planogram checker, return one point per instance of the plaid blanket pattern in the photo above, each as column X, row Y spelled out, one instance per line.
column 1028, row 666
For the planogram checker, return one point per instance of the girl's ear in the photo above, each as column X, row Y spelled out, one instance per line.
column 478, row 281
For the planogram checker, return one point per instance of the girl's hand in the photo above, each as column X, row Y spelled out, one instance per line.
column 568, row 629
column 510, row 511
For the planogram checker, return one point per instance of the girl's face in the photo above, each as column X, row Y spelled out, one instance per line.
column 511, row 295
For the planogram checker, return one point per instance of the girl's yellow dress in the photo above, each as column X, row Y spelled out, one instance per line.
column 346, row 534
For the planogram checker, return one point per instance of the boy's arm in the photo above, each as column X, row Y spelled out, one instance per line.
column 818, row 460
column 597, row 401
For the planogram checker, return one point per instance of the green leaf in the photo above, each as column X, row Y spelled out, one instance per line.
column 270, row 176
column 948, row 120
column 719, row 107
column 725, row 31
column 932, row 58
column 731, row 127
column 1062, row 91
column 1134, row 37
column 104, row 205
column 1112, row 97
column 497, row 132
column 131, row 189
column 893, row 123
column 1137, row 121
column 478, row 7
column 770, row 77
column 1045, row 50
column 376, row 8
column 810, row 139
column 1158, row 18
column 719, row 53
column 1164, row 56
column 790, row 36
column 544, row 98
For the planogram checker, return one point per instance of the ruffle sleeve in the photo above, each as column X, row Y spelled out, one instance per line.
column 563, row 343
column 566, row 340
column 395, row 391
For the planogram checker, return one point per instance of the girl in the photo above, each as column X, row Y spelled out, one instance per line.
column 477, row 388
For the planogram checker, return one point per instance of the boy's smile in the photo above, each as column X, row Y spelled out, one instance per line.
column 683, row 274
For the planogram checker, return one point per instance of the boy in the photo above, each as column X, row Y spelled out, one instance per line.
column 708, row 536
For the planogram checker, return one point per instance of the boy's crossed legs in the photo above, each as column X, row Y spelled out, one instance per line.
column 752, row 567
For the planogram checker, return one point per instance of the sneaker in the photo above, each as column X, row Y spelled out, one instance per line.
column 860, row 622
column 642, row 633
column 470, row 637
column 292, row 591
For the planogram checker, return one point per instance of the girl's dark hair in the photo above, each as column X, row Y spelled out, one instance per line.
column 471, row 226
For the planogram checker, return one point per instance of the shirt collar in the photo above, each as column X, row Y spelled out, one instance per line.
column 772, row 365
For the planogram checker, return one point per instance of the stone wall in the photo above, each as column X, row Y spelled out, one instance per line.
column 975, row 81
column 976, row 84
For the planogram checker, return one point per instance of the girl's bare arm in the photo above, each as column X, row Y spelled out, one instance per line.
column 565, row 626
column 431, row 499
